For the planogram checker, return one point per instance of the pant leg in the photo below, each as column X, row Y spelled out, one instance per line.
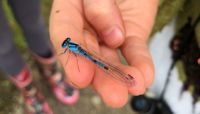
column 10, row 59
column 28, row 15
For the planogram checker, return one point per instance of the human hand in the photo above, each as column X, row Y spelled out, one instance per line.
column 105, row 25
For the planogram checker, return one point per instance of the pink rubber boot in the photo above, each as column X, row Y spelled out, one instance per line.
column 65, row 93
column 34, row 100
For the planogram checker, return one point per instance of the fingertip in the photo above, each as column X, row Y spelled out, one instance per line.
column 148, row 73
column 112, row 93
column 115, row 99
column 138, row 87
column 136, row 53
column 138, row 91
column 146, row 67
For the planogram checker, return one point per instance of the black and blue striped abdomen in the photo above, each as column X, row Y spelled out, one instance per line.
column 84, row 53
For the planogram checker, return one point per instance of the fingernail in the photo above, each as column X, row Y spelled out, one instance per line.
column 113, row 36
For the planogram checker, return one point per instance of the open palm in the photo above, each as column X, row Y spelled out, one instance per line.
column 104, row 26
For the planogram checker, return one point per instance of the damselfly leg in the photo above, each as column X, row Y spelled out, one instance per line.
column 76, row 61
column 114, row 71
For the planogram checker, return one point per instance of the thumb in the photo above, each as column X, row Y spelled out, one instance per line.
column 105, row 17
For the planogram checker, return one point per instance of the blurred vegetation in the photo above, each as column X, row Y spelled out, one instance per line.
column 167, row 10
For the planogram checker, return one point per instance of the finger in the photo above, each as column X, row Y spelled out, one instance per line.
column 68, row 23
column 113, row 93
column 138, row 86
column 137, row 54
column 135, row 47
column 105, row 17
column 105, row 85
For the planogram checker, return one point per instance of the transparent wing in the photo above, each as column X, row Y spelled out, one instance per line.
column 118, row 74
column 113, row 70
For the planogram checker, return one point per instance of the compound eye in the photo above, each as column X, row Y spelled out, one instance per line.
column 68, row 39
column 64, row 44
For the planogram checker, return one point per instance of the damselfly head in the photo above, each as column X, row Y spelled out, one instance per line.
column 66, row 42
column 68, row 39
